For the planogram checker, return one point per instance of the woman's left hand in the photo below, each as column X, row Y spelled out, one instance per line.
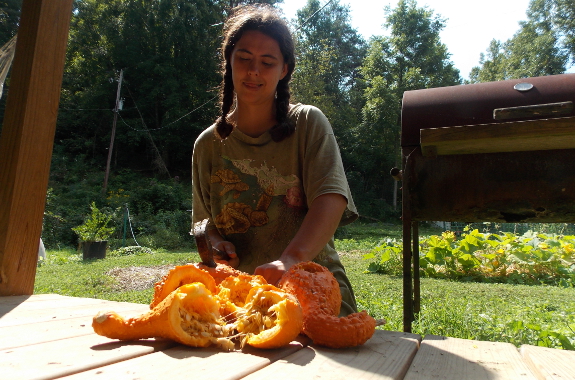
column 274, row 271
column 317, row 229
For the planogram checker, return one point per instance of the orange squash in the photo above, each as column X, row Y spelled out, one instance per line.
column 220, row 272
column 189, row 315
column 234, row 290
column 270, row 318
column 200, row 314
column 180, row 275
column 318, row 292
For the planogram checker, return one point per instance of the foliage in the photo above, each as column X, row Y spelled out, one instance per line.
column 541, row 46
column 72, row 276
column 167, row 51
column 131, row 250
column 158, row 209
column 327, row 75
column 533, row 258
column 9, row 18
column 412, row 57
column 95, row 226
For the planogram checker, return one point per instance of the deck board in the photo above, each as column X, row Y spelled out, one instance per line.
column 46, row 331
column 50, row 336
column 183, row 362
column 67, row 356
column 386, row 355
column 454, row 358
column 63, row 309
column 549, row 363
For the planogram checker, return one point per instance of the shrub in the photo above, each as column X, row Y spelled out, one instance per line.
column 95, row 226
column 532, row 258
column 131, row 250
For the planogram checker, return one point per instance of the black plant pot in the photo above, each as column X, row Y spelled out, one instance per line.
column 94, row 249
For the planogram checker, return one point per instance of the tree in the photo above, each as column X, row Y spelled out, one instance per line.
column 329, row 56
column 560, row 14
column 168, row 52
column 539, row 48
column 9, row 21
column 411, row 58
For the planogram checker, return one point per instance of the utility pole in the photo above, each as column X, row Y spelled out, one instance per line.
column 116, row 109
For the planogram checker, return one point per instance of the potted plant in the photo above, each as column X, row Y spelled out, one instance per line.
column 94, row 233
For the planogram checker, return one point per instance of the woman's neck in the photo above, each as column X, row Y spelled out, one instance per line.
column 253, row 121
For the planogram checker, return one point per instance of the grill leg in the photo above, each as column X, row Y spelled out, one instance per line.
column 407, row 279
column 415, row 254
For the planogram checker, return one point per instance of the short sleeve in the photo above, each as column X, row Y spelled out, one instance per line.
column 323, row 171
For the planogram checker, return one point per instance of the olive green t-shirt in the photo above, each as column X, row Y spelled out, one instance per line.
column 257, row 191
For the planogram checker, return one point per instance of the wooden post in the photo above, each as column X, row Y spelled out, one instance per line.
column 27, row 138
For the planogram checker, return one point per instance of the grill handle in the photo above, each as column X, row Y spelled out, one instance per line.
column 537, row 110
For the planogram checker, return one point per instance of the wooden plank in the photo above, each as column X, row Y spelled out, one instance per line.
column 28, row 136
column 453, row 358
column 42, row 332
column 28, row 315
column 549, row 363
column 387, row 355
column 183, row 362
column 47, row 304
column 504, row 137
column 68, row 356
column 55, row 329
column 16, row 300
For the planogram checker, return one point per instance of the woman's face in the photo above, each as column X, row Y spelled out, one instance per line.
column 257, row 67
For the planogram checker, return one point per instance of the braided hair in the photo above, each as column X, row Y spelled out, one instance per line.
column 265, row 19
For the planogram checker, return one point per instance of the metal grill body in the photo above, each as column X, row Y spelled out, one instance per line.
column 495, row 152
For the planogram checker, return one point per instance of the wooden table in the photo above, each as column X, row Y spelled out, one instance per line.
column 50, row 336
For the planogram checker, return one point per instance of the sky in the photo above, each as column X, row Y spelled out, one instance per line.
column 469, row 27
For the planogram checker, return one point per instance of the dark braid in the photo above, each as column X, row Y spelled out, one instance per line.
column 285, row 126
column 227, row 100
column 265, row 19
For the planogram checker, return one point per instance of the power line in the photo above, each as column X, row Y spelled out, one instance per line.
column 310, row 17
column 164, row 126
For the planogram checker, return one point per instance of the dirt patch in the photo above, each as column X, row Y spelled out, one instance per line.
column 137, row 278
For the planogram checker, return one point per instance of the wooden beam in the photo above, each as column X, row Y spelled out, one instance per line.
column 519, row 136
column 27, row 138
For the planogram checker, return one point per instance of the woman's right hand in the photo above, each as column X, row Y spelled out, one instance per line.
column 228, row 249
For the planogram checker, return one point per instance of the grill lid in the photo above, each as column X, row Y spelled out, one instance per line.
column 486, row 103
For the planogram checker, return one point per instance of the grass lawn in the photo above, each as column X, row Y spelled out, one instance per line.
column 520, row 314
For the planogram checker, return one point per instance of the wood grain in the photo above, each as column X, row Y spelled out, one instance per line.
column 183, row 362
column 27, row 138
column 549, row 363
column 387, row 355
column 36, row 312
column 452, row 358
column 504, row 137
column 39, row 347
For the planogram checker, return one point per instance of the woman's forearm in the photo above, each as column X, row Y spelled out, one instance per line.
column 318, row 227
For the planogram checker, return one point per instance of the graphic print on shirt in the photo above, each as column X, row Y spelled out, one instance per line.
column 246, row 196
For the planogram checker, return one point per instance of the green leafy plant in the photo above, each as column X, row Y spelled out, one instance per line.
column 532, row 258
column 95, row 226
column 132, row 250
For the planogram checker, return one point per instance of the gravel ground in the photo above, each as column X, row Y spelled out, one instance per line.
column 138, row 278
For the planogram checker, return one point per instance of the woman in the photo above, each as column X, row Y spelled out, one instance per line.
column 268, row 174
